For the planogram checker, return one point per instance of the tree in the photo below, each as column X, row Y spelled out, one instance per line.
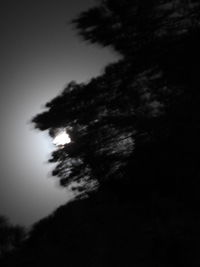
column 135, row 133
column 130, row 26
column 11, row 236
column 139, row 101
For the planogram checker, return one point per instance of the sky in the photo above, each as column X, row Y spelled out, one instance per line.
column 40, row 53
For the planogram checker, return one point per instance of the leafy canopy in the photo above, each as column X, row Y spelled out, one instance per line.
column 137, row 102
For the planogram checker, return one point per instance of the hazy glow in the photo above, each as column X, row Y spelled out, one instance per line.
column 61, row 139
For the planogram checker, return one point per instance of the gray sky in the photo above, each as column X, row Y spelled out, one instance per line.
column 40, row 54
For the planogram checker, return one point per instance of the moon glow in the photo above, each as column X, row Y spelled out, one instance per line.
column 61, row 139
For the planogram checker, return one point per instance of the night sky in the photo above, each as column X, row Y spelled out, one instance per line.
column 40, row 54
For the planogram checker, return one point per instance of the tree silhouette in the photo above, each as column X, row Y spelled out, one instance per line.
column 130, row 26
column 135, row 135
column 138, row 101
column 11, row 237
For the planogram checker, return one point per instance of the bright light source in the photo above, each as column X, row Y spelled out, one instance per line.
column 61, row 139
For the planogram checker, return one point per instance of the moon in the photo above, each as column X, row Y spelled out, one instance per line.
column 61, row 139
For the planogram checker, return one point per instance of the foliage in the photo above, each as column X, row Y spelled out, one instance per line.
column 11, row 236
column 137, row 100
column 104, row 230
column 135, row 132
column 132, row 25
